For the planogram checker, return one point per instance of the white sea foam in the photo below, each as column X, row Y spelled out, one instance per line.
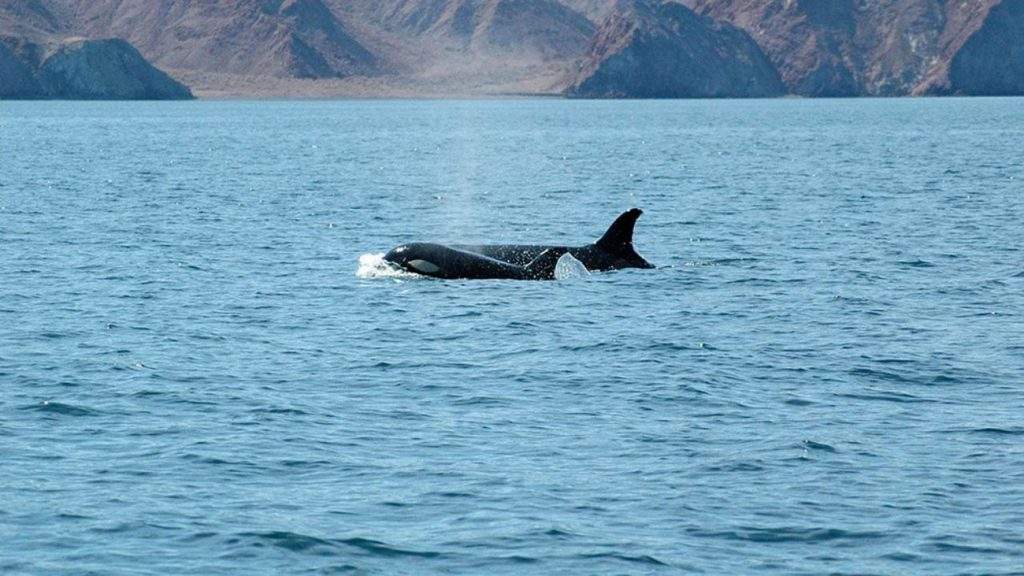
column 374, row 266
column 569, row 267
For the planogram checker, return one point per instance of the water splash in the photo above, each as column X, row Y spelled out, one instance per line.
column 374, row 266
column 569, row 267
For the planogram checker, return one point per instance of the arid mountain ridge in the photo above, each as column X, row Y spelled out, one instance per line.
column 578, row 48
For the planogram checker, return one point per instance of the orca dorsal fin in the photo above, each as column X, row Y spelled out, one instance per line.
column 620, row 234
column 543, row 266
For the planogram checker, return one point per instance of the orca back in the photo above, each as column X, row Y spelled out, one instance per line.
column 613, row 251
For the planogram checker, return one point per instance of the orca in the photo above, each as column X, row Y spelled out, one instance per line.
column 614, row 251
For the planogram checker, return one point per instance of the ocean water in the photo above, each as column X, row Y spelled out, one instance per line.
column 202, row 371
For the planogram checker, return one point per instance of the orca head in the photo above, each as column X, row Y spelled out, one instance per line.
column 398, row 255
column 414, row 258
column 614, row 251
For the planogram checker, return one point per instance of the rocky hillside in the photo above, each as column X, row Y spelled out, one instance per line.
column 105, row 70
column 989, row 61
column 291, row 38
column 83, row 70
column 652, row 49
column 886, row 47
column 545, row 28
column 575, row 47
column 16, row 79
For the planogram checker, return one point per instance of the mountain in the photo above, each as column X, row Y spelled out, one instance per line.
column 601, row 48
column 885, row 47
column 657, row 49
column 84, row 70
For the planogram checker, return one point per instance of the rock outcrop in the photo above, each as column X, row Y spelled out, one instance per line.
column 661, row 49
column 808, row 41
column 16, row 79
column 886, row 47
column 991, row 60
column 80, row 69
column 105, row 70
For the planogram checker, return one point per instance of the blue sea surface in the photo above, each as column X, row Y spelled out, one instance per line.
column 204, row 370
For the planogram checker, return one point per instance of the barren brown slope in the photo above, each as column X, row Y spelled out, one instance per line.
column 595, row 10
column 289, row 38
column 29, row 20
column 540, row 28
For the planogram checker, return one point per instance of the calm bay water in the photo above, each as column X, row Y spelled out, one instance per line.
column 825, row 375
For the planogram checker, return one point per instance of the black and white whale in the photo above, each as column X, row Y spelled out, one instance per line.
column 613, row 251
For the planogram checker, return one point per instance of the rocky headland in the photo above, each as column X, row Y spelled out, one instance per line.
column 79, row 69
column 650, row 49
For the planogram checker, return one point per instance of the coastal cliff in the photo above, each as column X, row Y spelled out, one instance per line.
column 84, row 70
column 16, row 79
column 651, row 49
column 885, row 48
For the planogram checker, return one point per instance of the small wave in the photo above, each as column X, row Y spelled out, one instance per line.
column 788, row 534
column 819, row 446
column 285, row 411
column 374, row 266
column 999, row 431
column 291, row 541
column 382, row 549
column 295, row 542
column 965, row 548
column 884, row 396
column 639, row 559
column 915, row 263
column 60, row 408
column 901, row 557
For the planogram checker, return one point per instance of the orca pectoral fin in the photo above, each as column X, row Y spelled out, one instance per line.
column 543, row 267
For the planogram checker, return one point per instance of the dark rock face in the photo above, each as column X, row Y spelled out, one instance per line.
column 885, row 47
column 991, row 61
column 16, row 80
column 106, row 70
column 83, row 70
column 806, row 40
column 659, row 49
